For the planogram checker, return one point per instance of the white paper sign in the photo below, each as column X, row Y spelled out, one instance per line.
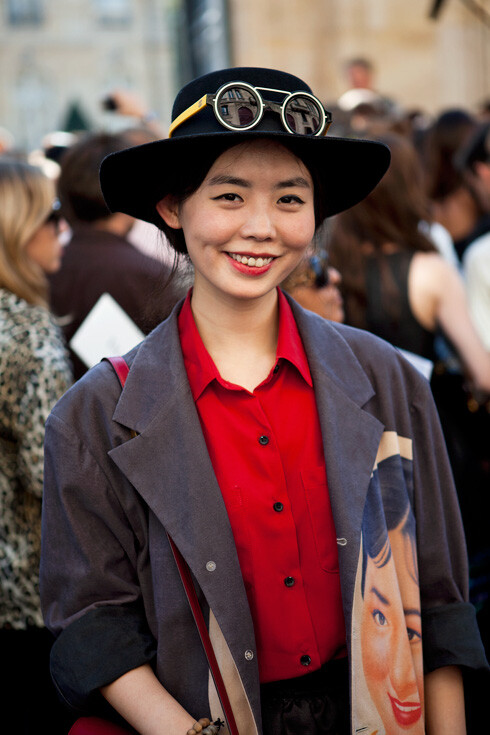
column 106, row 331
column 422, row 364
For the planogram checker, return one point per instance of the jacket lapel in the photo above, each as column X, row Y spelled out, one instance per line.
column 169, row 466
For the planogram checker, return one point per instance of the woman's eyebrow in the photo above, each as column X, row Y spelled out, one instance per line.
column 226, row 179
column 297, row 181
column 380, row 596
column 412, row 611
column 220, row 179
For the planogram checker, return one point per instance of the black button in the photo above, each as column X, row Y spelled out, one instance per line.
column 263, row 440
column 276, row 368
column 289, row 581
column 305, row 660
column 278, row 507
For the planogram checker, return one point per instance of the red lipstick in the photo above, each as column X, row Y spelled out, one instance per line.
column 406, row 713
column 250, row 270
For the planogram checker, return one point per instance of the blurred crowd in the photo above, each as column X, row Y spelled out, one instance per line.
column 410, row 263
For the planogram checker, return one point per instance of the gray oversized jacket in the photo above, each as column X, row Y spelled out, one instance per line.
column 110, row 588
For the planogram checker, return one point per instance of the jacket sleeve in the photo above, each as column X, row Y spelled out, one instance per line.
column 90, row 586
column 450, row 630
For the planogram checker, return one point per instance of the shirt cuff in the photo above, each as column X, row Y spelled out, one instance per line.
column 451, row 637
column 98, row 648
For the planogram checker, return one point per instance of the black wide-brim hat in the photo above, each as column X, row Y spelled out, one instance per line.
column 134, row 180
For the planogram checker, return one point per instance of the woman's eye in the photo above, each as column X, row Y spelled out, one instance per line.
column 413, row 635
column 229, row 197
column 291, row 199
column 379, row 618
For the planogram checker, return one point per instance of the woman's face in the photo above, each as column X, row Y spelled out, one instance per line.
column 391, row 638
column 45, row 249
column 249, row 223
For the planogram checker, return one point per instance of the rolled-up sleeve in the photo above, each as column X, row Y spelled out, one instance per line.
column 90, row 562
column 98, row 648
column 449, row 628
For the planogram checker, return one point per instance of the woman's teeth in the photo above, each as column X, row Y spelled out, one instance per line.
column 252, row 262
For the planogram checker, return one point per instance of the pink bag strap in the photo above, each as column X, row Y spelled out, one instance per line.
column 122, row 370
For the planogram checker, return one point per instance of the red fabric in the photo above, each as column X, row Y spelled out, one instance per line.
column 96, row 726
column 288, row 556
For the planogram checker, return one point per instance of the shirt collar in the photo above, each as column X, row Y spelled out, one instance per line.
column 200, row 367
column 289, row 343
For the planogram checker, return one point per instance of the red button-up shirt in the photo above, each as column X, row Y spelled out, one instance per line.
column 267, row 453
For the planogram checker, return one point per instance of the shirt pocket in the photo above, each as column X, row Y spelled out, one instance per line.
column 318, row 501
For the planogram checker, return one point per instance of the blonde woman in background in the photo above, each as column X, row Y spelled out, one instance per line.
column 34, row 373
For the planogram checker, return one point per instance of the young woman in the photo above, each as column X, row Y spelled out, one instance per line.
column 34, row 373
column 248, row 430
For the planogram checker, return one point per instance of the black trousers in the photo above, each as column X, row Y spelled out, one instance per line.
column 314, row 704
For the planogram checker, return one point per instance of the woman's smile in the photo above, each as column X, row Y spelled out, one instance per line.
column 406, row 713
column 251, row 265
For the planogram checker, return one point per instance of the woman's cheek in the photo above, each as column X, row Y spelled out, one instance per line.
column 376, row 650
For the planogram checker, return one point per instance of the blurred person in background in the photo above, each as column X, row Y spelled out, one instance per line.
column 34, row 373
column 99, row 257
column 315, row 286
column 453, row 203
column 394, row 281
column 474, row 160
column 360, row 74
column 128, row 103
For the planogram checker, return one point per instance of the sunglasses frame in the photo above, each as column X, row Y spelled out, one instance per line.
column 54, row 215
column 214, row 101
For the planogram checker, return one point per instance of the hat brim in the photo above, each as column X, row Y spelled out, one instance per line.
column 134, row 180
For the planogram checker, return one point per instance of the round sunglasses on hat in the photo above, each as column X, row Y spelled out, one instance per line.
column 240, row 106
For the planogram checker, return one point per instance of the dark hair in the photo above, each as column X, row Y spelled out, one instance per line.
column 392, row 214
column 387, row 504
column 476, row 149
column 191, row 173
column 78, row 185
column 441, row 142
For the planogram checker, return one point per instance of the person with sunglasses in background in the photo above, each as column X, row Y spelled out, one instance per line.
column 233, row 450
column 34, row 373
column 314, row 284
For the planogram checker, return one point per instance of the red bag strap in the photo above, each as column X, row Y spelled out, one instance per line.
column 122, row 370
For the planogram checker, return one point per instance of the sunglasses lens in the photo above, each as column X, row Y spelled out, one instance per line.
column 238, row 107
column 54, row 216
column 303, row 115
column 320, row 272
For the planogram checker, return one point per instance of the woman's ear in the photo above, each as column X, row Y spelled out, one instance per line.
column 169, row 210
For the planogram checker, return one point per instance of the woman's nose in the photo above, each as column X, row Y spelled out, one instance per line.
column 258, row 225
column 334, row 276
column 402, row 666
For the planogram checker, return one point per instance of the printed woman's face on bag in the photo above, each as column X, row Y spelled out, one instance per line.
column 391, row 640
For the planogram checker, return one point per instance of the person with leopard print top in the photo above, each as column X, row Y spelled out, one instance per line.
column 34, row 373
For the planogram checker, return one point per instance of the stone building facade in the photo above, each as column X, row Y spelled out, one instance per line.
column 62, row 56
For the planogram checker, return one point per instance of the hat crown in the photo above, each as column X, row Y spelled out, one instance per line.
column 256, row 76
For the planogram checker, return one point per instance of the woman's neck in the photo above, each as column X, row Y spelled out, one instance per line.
column 240, row 335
